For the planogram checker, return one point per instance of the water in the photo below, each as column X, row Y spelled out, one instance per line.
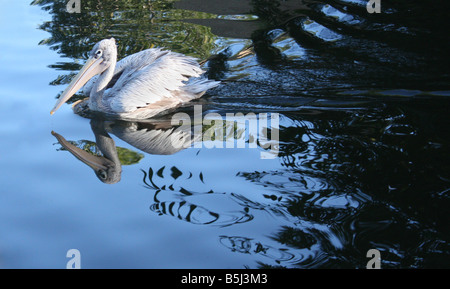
column 362, row 162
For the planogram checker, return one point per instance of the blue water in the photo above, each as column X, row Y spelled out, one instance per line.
column 361, row 165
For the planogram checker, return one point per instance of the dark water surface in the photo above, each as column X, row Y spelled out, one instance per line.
column 360, row 104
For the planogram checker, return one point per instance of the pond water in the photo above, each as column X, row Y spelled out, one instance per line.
column 328, row 136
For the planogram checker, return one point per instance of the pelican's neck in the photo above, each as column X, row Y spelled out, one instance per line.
column 106, row 144
column 97, row 92
column 108, row 148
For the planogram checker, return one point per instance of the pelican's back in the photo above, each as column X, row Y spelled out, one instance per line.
column 155, row 75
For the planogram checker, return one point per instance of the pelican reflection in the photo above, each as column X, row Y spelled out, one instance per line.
column 157, row 137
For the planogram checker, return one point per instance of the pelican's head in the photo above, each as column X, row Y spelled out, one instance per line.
column 105, row 169
column 102, row 56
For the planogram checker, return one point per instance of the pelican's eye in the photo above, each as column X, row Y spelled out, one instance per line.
column 98, row 54
column 102, row 174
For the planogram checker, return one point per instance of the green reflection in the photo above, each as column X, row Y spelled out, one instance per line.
column 126, row 156
column 136, row 25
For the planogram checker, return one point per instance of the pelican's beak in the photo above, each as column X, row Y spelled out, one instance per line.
column 91, row 68
column 94, row 162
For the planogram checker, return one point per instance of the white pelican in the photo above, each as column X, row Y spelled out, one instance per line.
column 139, row 86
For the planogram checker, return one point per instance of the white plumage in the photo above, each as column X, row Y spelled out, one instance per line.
column 140, row 85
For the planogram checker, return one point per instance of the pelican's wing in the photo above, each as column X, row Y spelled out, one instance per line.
column 150, row 76
column 153, row 140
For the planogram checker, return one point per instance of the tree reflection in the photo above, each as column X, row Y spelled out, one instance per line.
column 136, row 25
column 386, row 49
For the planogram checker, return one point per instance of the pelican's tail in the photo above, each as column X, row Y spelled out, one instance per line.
column 198, row 86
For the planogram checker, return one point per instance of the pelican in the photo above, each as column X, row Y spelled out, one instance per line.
column 154, row 137
column 139, row 86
